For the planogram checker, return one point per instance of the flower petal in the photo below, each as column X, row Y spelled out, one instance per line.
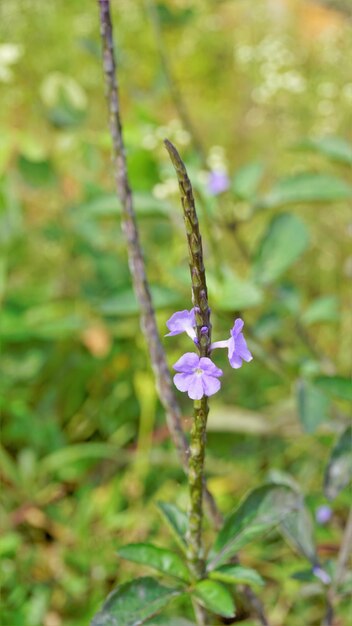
column 237, row 327
column 241, row 348
column 195, row 389
column 208, row 367
column 182, row 381
column 182, row 322
column 187, row 363
column 235, row 361
column 210, row 384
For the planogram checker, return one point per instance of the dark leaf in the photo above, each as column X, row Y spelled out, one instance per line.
column 176, row 520
column 339, row 470
column 160, row 559
column 133, row 603
column 215, row 597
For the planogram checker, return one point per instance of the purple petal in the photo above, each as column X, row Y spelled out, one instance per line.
column 241, row 348
column 195, row 389
column 208, row 367
column 187, row 363
column 323, row 514
column 182, row 381
column 322, row 575
column 237, row 327
column 218, row 182
column 182, row 322
column 235, row 361
column 210, row 384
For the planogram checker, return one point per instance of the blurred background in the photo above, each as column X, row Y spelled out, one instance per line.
column 257, row 96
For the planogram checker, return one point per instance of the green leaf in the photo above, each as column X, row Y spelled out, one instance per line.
column 337, row 386
column 233, row 293
column 133, row 603
column 36, row 173
column 160, row 559
column 336, row 148
column 323, row 309
column 313, row 406
column 260, row 511
column 338, row 473
column 237, row 574
column 215, row 597
column 298, row 529
column 125, row 303
column 246, row 180
column 305, row 187
column 176, row 520
column 282, row 244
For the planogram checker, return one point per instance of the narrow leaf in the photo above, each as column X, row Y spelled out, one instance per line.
column 337, row 386
column 282, row 244
column 176, row 520
column 305, row 187
column 323, row 309
column 298, row 529
column 246, row 180
column 237, row 574
column 336, row 148
column 262, row 509
column 160, row 559
column 215, row 597
column 133, row 603
column 339, row 470
column 313, row 406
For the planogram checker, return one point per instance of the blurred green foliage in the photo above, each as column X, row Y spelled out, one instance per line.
column 85, row 452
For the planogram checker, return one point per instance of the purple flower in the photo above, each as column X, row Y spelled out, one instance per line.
column 182, row 322
column 236, row 345
column 323, row 514
column 197, row 375
column 218, row 182
column 322, row 575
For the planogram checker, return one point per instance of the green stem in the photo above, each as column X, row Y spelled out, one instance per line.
column 201, row 409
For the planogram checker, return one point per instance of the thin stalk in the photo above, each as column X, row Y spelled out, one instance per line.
column 345, row 553
column 175, row 92
column 136, row 260
column 200, row 407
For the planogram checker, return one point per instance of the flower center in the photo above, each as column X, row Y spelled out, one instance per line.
column 198, row 371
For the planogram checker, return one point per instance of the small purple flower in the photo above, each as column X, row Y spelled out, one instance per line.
column 197, row 375
column 182, row 322
column 320, row 573
column 323, row 514
column 236, row 345
column 218, row 182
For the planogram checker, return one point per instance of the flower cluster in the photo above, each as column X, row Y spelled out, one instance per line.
column 198, row 376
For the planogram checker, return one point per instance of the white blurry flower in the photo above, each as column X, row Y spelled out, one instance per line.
column 10, row 53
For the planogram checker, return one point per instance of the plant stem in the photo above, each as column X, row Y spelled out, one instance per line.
column 176, row 95
column 345, row 552
column 201, row 409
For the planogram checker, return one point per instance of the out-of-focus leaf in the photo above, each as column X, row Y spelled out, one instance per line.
column 262, row 509
column 176, row 520
column 282, row 244
column 133, row 603
column 323, row 309
column 36, row 173
column 125, row 302
column 160, row 559
column 297, row 528
column 305, row 187
column 246, row 180
column 336, row 386
column 336, row 148
column 215, row 597
column 237, row 574
column 233, row 293
column 87, row 451
column 174, row 17
column 313, row 406
column 338, row 473
column 237, row 420
column 51, row 321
